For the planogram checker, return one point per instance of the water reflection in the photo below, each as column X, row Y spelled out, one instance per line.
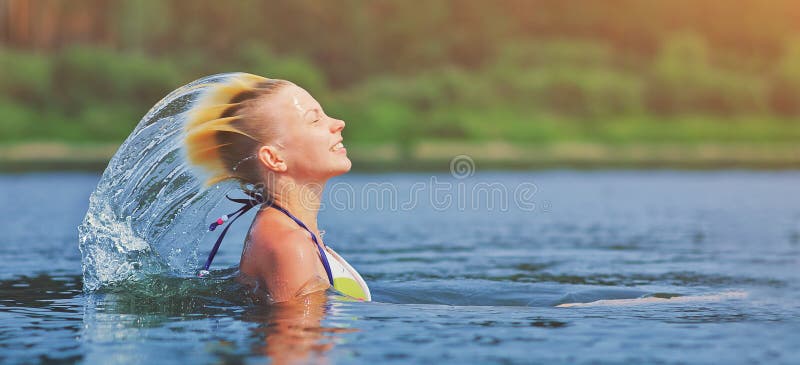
column 40, row 309
column 222, row 319
column 39, row 291
column 293, row 331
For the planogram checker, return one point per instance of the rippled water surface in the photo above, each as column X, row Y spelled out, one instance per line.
column 456, row 277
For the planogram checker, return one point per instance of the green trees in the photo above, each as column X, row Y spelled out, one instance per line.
column 398, row 72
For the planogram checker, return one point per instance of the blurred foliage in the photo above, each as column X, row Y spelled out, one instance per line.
column 518, row 70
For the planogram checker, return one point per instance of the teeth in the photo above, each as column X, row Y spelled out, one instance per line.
column 337, row 146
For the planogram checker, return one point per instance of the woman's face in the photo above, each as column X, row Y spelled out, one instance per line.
column 305, row 138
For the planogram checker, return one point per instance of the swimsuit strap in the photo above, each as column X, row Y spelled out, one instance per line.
column 247, row 204
column 322, row 255
column 254, row 199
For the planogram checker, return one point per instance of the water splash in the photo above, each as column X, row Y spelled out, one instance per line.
column 706, row 298
column 148, row 213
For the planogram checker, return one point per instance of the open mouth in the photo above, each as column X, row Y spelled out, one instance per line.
column 337, row 147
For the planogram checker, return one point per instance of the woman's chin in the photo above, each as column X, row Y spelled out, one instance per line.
column 342, row 167
column 347, row 166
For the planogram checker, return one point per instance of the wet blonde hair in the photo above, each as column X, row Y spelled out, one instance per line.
column 222, row 136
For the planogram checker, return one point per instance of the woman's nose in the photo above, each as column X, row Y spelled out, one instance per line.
column 337, row 125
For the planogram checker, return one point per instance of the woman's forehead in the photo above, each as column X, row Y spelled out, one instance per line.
column 291, row 100
column 300, row 100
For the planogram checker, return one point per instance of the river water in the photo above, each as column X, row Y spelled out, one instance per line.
column 496, row 267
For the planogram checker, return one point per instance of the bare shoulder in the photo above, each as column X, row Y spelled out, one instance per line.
column 281, row 257
column 285, row 246
column 277, row 239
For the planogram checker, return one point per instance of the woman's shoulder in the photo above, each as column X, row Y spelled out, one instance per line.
column 274, row 234
column 289, row 245
column 273, row 239
column 282, row 260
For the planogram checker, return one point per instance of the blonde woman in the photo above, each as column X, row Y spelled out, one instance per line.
column 274, row 137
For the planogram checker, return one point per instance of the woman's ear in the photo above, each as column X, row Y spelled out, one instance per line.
column 269, row 157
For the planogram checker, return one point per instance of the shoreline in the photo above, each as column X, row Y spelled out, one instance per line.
column 438, row 155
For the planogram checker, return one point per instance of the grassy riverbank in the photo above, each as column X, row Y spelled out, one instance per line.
column 437, row 156
column 544, row 85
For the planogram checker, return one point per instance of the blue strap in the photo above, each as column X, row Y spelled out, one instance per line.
column 322, row 255
column 247, row 204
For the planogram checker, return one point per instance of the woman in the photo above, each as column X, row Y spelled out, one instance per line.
column 273, row 135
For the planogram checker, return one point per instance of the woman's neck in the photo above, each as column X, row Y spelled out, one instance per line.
column 302, row 199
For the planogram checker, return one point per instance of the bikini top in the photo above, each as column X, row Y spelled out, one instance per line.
column 342, row 277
